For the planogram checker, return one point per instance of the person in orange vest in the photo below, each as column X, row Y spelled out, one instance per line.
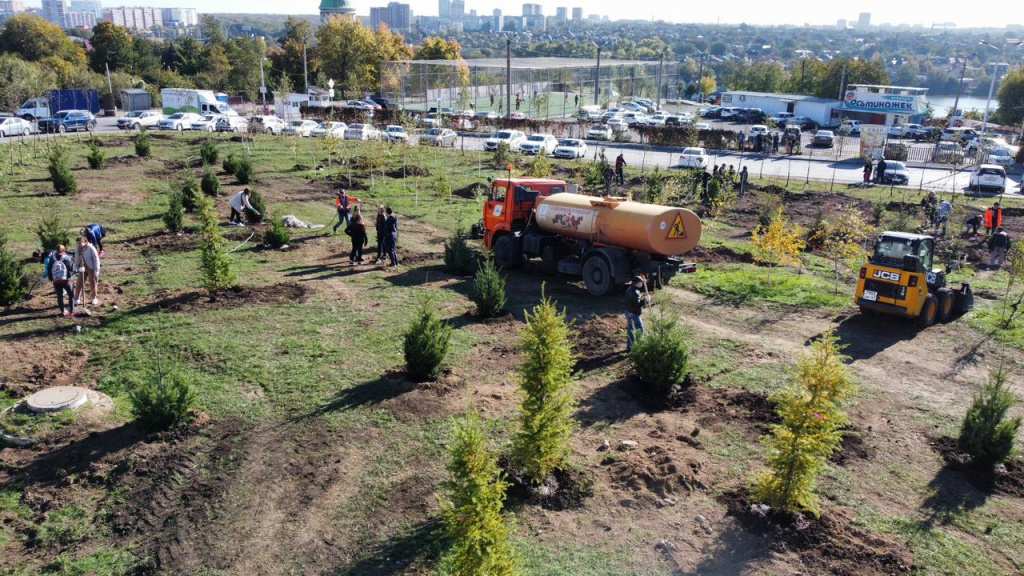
column 343, row 202
column 993, row 218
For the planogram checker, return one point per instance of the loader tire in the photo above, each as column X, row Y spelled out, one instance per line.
column 929, row 312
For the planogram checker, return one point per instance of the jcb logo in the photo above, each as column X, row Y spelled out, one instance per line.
column 886, row 275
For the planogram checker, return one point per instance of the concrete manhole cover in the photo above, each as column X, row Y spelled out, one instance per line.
column 57, row 399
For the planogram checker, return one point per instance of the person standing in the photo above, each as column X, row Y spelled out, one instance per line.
column 993, row 218
column 87, row 262
column 868, row 168
column 942, row 214
column 775, row 143
column 357, row 232
column 380, row 226
column 60, row 270
column 609, row 175
column 742, row 140
column 240, row 206
column 636, row 300
column 620, row 169
column 744, row 177
column 95, row 233
column 391, row 233
column 998, row 246
column 342, row 202
column 880, row 172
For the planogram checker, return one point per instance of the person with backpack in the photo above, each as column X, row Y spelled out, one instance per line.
column 998, row 247
column 95, row 233
column 391, row 233
column 636, row 300
column 357, row 232
column 60, row 269
column 341, row 202
column 87, row 262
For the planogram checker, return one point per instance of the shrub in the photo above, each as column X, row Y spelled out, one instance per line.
column 474, row 496
column 489, row 289
column 986, row 434
column 52, row 231
column 540, row 166
column 257, row 202
column 60, row 172
column 660, row 356
column 13, row 281
column 163, row 399
column 426, row 344
column 777, row 244
column 244, row 171
column 230, row 164
column 459, row 257
column 812, row 419
column 143, row 145
column 208, row 152
column 189, row 192
column 175, row 215
column 214, row 262
column 502, row 156
column 95, row 156
column 546, row 413
column 209, row 183
column 278, row 234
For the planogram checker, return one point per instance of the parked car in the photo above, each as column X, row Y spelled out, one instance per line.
column 139, row 119
column 267, row 125
column 539, row 144
column 751, row 115
column 512, row 138
column 14, row 126
column 849, row 128
column 232, row 124
column 439, row 137
column 329, row 130
column 617, row 124
column 301, row 128
column 896, row 173
column 207, row 123
column 757, row 129
column 948, row 153
column 919, row 132
column 518, row 116
column 395, row 133
column 68, row 121
column 486, row 115
column 383, row 102
column 897, row 131
column 824, row 138
column 589, row 113
column 702, row 126
column 361, row 132
column 179, row 121
column 802, row 122
column 728, row 113
column 713, row 113
column 599, row 132
column 358, row 105
column 1001, row 156
column 570, row 148
column 781, row 118
column 430, row 121
column 693, row 158
column 959, row 135
column 988, row 177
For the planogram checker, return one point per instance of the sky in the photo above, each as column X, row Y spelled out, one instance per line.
column 995, row 13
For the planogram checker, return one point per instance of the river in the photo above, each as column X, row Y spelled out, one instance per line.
column 942, row 104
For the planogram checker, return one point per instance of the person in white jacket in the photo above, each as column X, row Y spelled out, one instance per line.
column 87, row 262
column 239, row 204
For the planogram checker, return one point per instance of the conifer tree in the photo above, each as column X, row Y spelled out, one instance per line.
column 214, row 260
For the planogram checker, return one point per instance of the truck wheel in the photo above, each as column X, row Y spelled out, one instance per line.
column 929, row 312
column 507, row 253
column 946, row 301
column 597, row 275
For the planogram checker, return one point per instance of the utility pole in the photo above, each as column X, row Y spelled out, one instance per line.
column 661, row 65
column 305, row 70
column 842, row 84
column 991, row 88
column 700, row 80
column 263, row 83
column 959, row 89
column 110, row 87
column 597, row 78
column 508, row 77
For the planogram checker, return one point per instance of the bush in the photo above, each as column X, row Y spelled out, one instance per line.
column 502, row 156
column 278, row 234
column 985, row 433
column 244, row 171
column 474, row 496
column 163, row 399
column 426, row 344
column 95, row 156
column 459, row 257
column 208, row 152
column 189, row 192
column 60, row 172
column 256, row 199
column 546, row 413
column 214, row 262
column 175, row 215
column 52, row 231
column 13, row 280
column 230, row 164
column 209, row 183
column 489, row 290
column 143, row 145
column 660, row 356
column 540, row 166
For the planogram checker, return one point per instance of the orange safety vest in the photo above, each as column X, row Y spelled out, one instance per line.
column 993, row 214
column 351, row 200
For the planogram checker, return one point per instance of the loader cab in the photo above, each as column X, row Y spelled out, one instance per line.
column 510, row 203
column 910, row 253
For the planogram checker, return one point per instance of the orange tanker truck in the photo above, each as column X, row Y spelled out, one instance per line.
column 605, row 240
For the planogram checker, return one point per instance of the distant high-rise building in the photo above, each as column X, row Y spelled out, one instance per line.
column 9, row 8
column 135, row 17
column 55, row 10
column 444, row 9
column 332, row 8
column 79, row 19
column 87, row 6
column 395, row 15
column 458, row 10
column 496, row 21
column 864, row 20
column 577, row 14
column 533, row 18
column 841, row 24
column 562, row 14
column 179, row 17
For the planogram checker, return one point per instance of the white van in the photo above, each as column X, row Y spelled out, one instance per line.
column 188, row 100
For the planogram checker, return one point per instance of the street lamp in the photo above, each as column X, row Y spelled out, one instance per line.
column 995, row 73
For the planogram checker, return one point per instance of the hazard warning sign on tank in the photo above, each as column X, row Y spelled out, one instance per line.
column 678, row 230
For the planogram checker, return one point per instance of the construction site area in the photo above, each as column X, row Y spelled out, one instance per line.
column 824, row 383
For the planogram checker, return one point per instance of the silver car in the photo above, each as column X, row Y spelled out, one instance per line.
column 439, row 137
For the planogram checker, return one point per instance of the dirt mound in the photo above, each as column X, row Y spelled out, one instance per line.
column 720, row 254
column 713, row 405
column 831, row 544
column 124, row 161
column 565, row 489
column 653, row 474
column 284, row 293
column 598, row 342
column 408, row 172
column 163, row 242
column 471, row 191
column 1007, row 478
column 347, row 182
column 852, row 448
column 774, row 189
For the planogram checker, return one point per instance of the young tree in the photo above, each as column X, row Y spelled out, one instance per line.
column 175, row 215
column 488, row 289
column 60, row 171
column 214, row 261
column 986, row 434
column 208, row 151
column 459, row 256
column 1011, row 307
column 143, row 144
column 13, row 280
column 52, row 231
column 426, row 343
column 164, row 398
column 842, row 240
column 660, row 357
column 95, row 156
column 778, row 244
column 209, row 182
column 812, row 418
column 545, row 377
column 474, row 496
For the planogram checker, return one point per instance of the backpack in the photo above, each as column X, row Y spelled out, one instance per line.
column 58, row 267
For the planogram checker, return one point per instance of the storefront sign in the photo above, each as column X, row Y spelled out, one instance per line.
column 860, row 101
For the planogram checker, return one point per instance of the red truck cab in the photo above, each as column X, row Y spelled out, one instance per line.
column 510, row 204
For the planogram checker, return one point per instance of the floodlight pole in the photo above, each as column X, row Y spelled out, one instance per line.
column 661, row 64
column 508, row 77
column 597, row 78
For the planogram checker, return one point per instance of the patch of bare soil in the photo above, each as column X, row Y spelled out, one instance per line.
column 719, row 254
column 653, row 475
column 124, row 161
column 283, row 293
column 29, row 366
column 831, row 544
column 471, row 191
column 1007, row 478
column 852, row 448
column 715, row 405
column 407, row 171
column 163, row 242
column 564, row 489
column 598, row 341
column 347, row 182
column 802, row 209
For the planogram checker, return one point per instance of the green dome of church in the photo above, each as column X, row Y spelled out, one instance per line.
column 331, row 7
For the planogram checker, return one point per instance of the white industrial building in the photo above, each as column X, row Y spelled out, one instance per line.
column 820, row 110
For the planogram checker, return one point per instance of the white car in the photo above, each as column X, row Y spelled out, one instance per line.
column 658, row 119
column 430, row 121
column 301, row 128
column 634, row 118
column 207, row 123
column 618, row 125
column 361, row 132
column 693, row 158
column 702, row 126
column 512, row 138
column 539, row 144
column 896, row 173
column 395, row 133
column 232, row 124
column 989, row 177
column 180, row 121
column 139, row 119
column 570, row 148
column 329, row 130
column 268, row 124
column 439, row 137
column 758, row 129
column 358, row 105
column 599, row 132
column 14, row 126
column 1001, row 156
